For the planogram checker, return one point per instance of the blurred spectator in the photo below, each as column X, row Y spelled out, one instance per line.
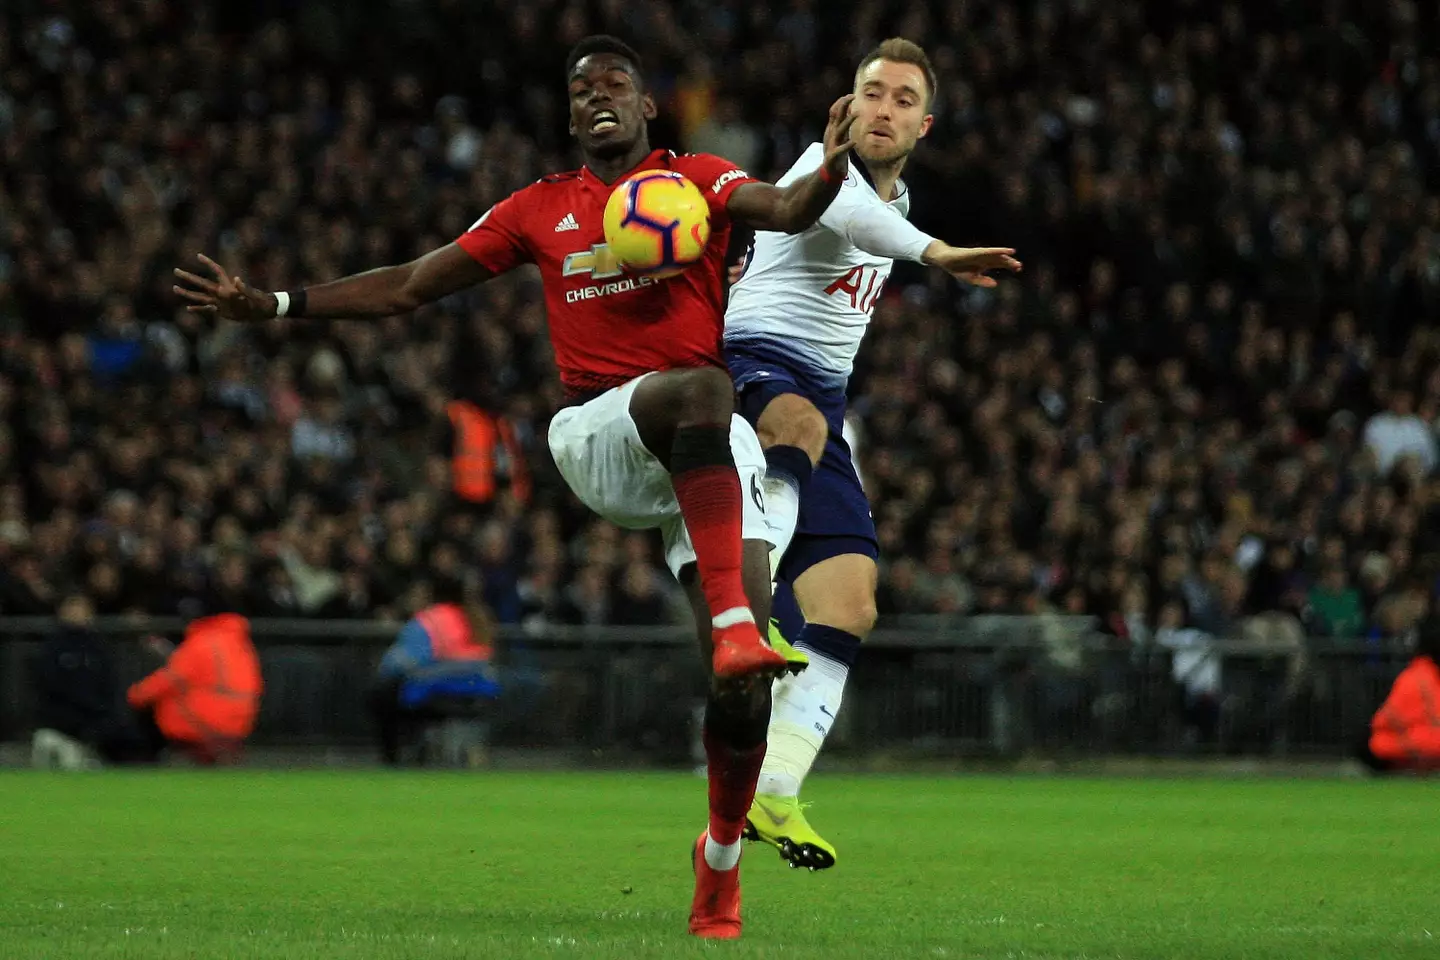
column 499, row 584
column 1399, row 432
column 1278, row 584
column 1195, row 664
column 485, row 450
column 724, row 133
column 75, row 690
column 202, row 702
column 640, row 599
column 233, row 590
column 24, row 589
column 322, row 434
column 439, row 665
column 459, row 141
column 1405, row 732
column 1335, row 609
column 587, row 601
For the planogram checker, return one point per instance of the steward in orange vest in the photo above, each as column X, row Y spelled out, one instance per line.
column 443, row 654
column 485, row 450
column 1405, row 732
column 205, row 698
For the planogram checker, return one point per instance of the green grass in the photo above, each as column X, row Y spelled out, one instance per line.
column 434, row 866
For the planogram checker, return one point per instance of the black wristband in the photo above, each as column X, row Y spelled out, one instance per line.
column 297, row 304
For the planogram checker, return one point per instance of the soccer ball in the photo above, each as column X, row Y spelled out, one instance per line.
column 657, row 223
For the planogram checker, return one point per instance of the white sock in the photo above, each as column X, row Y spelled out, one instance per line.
column 721, row 856
column 782, row 513
column 802, row 710
column 728, row 618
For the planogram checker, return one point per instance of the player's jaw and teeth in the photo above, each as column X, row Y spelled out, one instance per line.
column 607, row 109
column 890, row 111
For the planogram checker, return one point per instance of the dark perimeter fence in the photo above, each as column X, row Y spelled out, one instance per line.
column 975, row 687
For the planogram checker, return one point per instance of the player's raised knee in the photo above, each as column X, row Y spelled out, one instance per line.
column 811, row 432
column 705, row 395
column 860, row 614
column 790, row 420
column 852, row 612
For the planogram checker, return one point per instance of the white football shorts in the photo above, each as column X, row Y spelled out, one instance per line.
column 598, row 450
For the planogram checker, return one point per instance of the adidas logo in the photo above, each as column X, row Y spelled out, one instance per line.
column 568, row 223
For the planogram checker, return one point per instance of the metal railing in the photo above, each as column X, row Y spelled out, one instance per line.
column 949, row 687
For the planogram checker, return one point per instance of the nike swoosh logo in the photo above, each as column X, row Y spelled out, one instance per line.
column 827, row 712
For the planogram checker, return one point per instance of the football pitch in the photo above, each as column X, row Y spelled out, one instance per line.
column 247, row 864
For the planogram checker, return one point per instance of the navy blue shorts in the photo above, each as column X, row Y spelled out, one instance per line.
column 834, row 512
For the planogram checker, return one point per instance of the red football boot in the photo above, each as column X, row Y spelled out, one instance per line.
column 740, row 652
column 715, row 911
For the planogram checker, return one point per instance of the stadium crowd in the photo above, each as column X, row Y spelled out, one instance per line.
column 1212, row 394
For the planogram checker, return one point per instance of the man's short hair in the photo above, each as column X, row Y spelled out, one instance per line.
column 602, row 43
column 900, row 50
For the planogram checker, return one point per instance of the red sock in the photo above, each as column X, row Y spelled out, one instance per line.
column 708, row 488
column 733, row 775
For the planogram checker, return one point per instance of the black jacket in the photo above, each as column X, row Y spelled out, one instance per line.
column 75, row 684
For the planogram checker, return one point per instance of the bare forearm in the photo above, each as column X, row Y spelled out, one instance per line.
column 387, row 291
column 802, row 202
column 382, row 292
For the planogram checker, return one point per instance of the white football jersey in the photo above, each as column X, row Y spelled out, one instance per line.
column 810, row 295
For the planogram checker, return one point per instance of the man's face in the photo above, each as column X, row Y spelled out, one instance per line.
column 889, row 110
column 608, row 112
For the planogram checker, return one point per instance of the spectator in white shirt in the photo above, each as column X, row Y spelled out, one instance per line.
column 1195, row 666
column 1399, row 432
column 322, row 434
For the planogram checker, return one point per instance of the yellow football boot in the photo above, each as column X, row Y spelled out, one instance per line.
column 795, row 660
column 780, row 822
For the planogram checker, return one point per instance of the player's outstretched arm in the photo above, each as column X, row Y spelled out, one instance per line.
column 794, row 208
column 881, row 231
column 970, row 263
column 382, row 292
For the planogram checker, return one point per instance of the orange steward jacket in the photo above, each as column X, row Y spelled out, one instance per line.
column 210, row 687
column 1406, row 729
column 486, row 448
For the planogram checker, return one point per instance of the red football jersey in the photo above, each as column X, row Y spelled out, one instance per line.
column 609, row 328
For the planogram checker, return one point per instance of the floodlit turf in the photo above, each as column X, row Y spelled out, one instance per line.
column 342, row 865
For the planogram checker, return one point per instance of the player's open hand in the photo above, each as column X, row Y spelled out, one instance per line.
column 837, row 137
column 971, row 264
column 227, row 297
